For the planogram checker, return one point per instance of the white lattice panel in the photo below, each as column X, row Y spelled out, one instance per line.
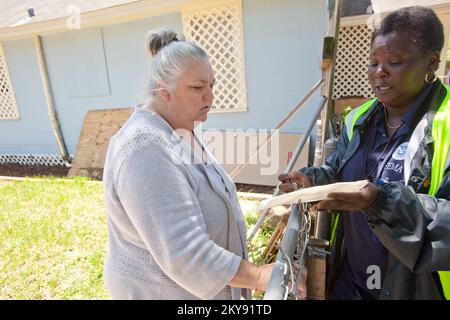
column 219, row 31
column 8, row 104
column 33, row 159
column 351, row 63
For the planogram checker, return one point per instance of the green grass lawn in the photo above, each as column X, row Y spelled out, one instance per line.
column 53, row 239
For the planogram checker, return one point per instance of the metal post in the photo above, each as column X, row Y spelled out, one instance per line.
column 327, row 89
column 322, row 226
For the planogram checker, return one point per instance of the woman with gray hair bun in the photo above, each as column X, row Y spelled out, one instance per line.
column 176, row 230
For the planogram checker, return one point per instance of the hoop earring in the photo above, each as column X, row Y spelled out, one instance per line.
column 433, row 79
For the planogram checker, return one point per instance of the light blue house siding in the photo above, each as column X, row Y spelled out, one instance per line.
column 32, row 133
column 99, row 68
column 105, row 67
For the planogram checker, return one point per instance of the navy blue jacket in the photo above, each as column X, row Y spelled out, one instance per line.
column 412, row 225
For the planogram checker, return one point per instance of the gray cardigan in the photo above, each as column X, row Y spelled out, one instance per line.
column 175, row 229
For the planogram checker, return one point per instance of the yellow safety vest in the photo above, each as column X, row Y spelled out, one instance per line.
column 441, row 137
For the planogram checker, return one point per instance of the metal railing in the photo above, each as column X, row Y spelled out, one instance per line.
column 283, row 272
column 296, row 237
column 289, row 263
column 291, row 163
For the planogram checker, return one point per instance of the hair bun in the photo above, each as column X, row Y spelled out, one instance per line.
column 158, row 39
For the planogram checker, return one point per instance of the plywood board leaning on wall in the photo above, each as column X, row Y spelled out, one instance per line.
column 98, row 128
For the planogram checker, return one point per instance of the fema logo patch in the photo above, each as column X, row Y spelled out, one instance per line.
column 400, row 152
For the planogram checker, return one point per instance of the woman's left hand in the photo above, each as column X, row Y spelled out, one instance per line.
column 346, row 201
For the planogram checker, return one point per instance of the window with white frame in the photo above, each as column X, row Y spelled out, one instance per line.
column 8, row 104
column 218, row 29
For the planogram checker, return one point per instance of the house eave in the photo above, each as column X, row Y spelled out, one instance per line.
column 107, row 16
